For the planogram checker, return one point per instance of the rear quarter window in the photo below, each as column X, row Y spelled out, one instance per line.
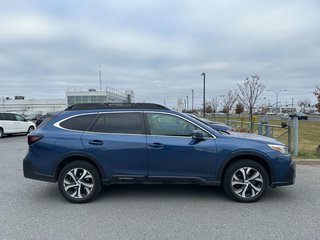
column 80, row 123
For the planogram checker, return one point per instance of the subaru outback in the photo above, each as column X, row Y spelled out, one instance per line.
column 87, row 146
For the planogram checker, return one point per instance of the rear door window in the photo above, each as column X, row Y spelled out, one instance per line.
column 127, row 123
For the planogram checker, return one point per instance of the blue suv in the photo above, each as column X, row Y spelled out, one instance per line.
column 90, row 145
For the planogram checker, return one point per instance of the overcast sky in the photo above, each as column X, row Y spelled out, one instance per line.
column 159, row 48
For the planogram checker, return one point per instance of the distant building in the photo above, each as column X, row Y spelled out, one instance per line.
column 180, row 106
column 76, row 95
column 28, row 106
column 73, row 95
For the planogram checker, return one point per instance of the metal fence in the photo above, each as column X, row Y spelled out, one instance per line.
column 281, row 132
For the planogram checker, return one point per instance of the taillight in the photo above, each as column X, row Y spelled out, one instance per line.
column 33, row 138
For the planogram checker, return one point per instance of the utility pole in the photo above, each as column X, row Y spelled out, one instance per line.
column 192, row 93
column 204, row 94
column 277, row 94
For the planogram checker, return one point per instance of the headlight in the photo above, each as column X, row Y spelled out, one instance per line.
column 280, row 148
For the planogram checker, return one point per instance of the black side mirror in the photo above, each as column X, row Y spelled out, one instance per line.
column 197, row 135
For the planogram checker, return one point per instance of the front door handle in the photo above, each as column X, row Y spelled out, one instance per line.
column 156, row 145
column 96, row 142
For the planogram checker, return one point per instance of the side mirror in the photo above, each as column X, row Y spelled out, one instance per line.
column 197, row 135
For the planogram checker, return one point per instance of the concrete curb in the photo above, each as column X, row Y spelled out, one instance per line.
column 307, row 161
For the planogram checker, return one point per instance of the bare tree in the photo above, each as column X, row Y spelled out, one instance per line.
column 250, row 94
column 304, row 103
column 317, row 94
column 215, row 104
column 228, row 101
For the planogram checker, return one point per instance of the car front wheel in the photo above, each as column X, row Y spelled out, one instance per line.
column 245, row 181
column 79, row 182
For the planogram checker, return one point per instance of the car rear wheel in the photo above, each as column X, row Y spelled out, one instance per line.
column 1, row 132
column 30, row 129
column 245, row 181
column 79, row 182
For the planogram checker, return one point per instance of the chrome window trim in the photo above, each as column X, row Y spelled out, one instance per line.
column 57, row 124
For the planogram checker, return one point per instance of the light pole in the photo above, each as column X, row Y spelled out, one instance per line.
column 187, row 102
column 204, row 94
column 277, row 94
column 192, row 94
column 2, row 103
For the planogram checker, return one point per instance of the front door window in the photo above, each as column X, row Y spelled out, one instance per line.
column 169, row 125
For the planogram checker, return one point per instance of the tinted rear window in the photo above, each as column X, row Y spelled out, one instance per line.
column 9, row 117
column 130, row 123
column 80, row 123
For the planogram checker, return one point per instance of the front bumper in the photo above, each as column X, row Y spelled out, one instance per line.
column 289, row 177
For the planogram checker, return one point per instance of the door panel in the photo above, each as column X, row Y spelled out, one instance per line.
column 21, row 125
column 181, row 157
column 118, row 140
column 119, row 154
column 10, row 122
column 172, row 152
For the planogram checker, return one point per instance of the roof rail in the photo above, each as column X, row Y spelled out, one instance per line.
column 88, row 106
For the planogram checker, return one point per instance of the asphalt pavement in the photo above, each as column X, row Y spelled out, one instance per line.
column 32, row 209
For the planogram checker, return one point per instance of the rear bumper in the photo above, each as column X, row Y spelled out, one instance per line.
column 289, row 178
column 30, row 171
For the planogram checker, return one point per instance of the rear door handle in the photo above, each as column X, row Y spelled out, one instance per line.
column 96, row 142
column 156, row 145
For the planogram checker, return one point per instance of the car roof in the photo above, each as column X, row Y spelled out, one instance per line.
column 96, row 106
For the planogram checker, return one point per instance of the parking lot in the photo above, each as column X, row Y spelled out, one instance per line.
column 32, row 209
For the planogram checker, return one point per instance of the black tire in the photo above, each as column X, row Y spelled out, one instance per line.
column 1, row 132
column 77, row 191
column 30, row 129
column 241, row 172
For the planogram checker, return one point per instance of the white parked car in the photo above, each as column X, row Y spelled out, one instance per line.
column 14, row 123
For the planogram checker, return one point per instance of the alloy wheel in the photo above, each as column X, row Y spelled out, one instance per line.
column 78, row 183
column 247, row 182
column 30, row 130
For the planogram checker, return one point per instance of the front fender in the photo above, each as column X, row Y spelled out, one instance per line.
column 246, row 154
